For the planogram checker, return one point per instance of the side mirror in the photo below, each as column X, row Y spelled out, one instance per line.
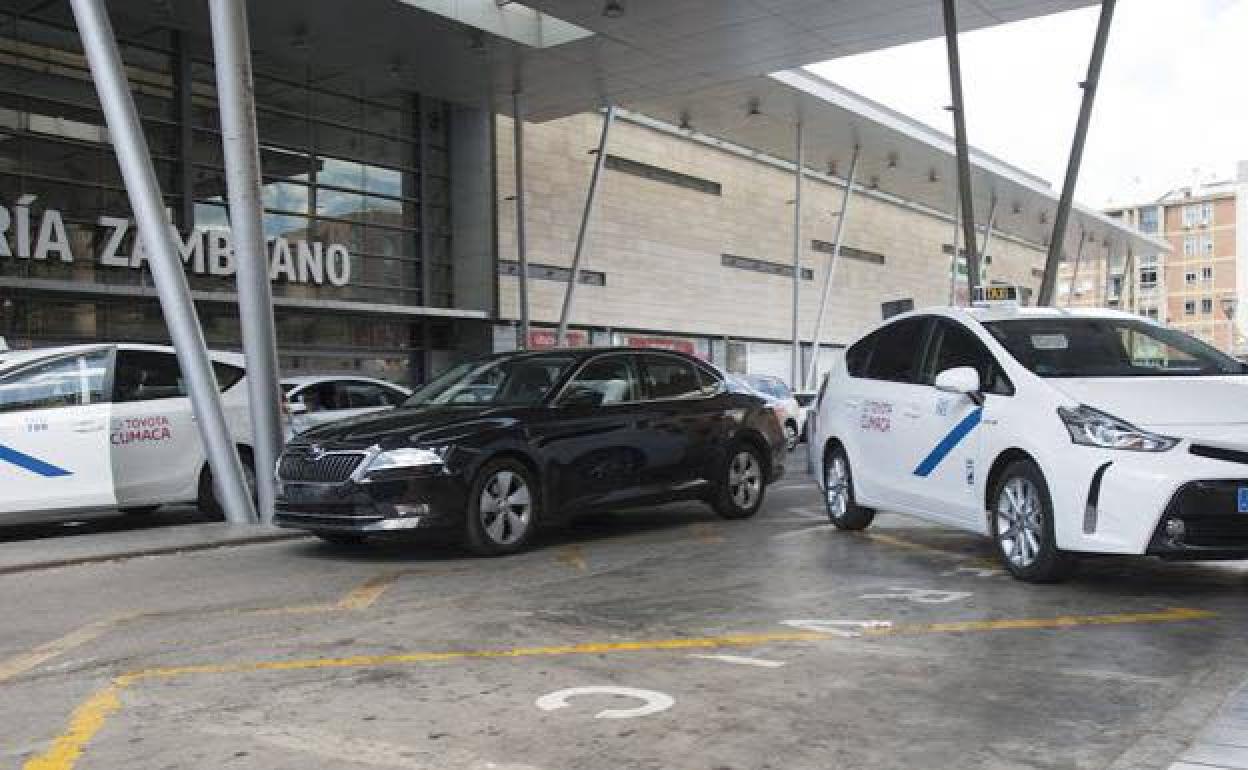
column 962, row 380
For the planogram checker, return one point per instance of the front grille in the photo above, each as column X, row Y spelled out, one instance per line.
column 330, row 468
column 1218, row 453
column 1210, row 514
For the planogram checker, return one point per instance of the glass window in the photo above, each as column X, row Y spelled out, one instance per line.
column 1206, row 306
column 1148, row 220
column 1189, row 307
column 606, row 380
column 522, row 380
column 1109, row 347
column 70, row 381
column 146, row 376
column 858, row 355
column 896, row 355
column 952, row 346
column 671, row 377
column 364, row 395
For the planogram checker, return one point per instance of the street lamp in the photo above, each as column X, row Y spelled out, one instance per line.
column 1229, row 304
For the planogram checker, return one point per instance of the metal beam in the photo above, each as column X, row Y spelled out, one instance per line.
column 812, row 370
column 983, row 250
column 522, row 249
column 964, row 157
column 953, row 261
column 575, row 277
column 143, row 189
column 795, row 369
column 1074, row 274
column 1048, row 285
column 240, row 140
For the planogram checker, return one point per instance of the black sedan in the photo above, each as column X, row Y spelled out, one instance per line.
column 495, row 447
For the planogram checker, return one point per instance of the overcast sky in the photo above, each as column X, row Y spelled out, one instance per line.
column 1172, row 102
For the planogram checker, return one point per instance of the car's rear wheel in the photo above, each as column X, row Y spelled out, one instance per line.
column 503, row 507
column 340, row 538
column 741, row 484
column 1022, row 525
column 208, row 502
column 838, row 493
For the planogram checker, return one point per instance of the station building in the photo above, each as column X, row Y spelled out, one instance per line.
column 389, row 197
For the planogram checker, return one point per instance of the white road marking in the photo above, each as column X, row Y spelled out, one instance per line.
column 742, row 660
column 920, row 595
column 654, row 701
column 848, row 629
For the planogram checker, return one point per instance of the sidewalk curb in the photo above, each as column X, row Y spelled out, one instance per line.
column 133, row 553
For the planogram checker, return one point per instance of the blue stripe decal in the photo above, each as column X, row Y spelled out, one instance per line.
column 32, row 464
column 949, row 442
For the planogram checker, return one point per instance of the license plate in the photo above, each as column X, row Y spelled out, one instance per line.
column 1243, row 499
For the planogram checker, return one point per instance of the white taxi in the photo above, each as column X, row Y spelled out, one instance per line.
column 1054, row 432
column 94, row 428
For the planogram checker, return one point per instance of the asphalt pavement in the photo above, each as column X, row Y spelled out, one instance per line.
column 660, row 638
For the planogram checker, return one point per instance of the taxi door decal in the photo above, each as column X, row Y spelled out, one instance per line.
column 32, row 464
column 949, row 442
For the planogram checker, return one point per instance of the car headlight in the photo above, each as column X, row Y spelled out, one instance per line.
column 407, row 457
column 1092, row 427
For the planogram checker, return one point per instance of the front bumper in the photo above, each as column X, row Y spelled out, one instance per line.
column 1208, row 520
column 428, row 500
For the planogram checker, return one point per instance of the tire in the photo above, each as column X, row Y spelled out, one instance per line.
column 340, row 538
column 503, row 509
column 838, row 493
column 791, row 436
column 742, row 483
column 140, row 510
column 208, row 502
column 1022, row 525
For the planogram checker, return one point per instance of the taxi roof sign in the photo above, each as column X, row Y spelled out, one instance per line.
column 995, row 296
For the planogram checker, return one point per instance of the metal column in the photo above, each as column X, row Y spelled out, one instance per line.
column 983, row 250
column 953, row 261
column 1049, row 284
column 522, row 249
column 575, row 278
column 239, row 138
column 795, row 369
column 964, row 158
column 1074, row 274
column 812, row 370
column 164, row 259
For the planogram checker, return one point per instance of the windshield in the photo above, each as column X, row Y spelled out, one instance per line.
column 512, row 381
column 1108, row 347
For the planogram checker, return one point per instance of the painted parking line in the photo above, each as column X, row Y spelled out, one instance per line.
column 20, row 664
column 89, row 718
column 961, row 556
column 573, row 557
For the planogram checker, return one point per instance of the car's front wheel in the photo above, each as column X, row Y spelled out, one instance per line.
column 1022, row 525
column 742, row 483
column 791, row 436
column 838, row 493
column 502, row 509
column 208, row 502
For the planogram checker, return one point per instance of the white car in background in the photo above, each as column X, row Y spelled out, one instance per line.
column 94, row 428
column 792, row 414
column 312, row 401
column 1054, row 432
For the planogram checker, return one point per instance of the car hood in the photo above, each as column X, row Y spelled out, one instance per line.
column 1209, row 408
column 407, row 426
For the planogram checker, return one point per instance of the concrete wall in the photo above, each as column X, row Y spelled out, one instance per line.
column 660, row 245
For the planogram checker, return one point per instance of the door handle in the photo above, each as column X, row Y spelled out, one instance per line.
column 89, row 426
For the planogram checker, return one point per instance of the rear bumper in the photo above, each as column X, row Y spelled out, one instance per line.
column 416, row 501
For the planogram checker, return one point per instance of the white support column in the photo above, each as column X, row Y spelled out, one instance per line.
column 813, row 369
column 983, row 251
column 795, row 370
column 522, row 249
column 142, row 188
column 1074, row 274
column 960, row 142
column 953, row 261
column 575, row 277
column 241, row 143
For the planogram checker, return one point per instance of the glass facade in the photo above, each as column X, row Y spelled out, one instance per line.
column 356, row 196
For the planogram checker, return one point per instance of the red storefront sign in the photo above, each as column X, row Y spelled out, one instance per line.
column 663, row 343
column 549, row 338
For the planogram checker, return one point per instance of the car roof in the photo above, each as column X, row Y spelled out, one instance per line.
column 300, row 380
column 1008, row 313
column 18, row 357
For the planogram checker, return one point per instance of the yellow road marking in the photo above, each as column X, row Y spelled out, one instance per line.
column 573, row 556
column 363, row 596
column 707, row 533
column 978, row 561
column 89, row 717
column 20, row 664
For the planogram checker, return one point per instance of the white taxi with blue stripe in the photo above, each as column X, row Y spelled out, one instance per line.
column 1054, row 432
column 92, row 428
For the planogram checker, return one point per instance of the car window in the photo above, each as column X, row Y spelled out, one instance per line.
column 606, row 380
column 518, row 380
column 227, row 376
column 363, row 395
column 320, row 397
column 144, row 375
column 393, row 396
column 72, row 381
column 672, row 377
column 780, row 390
column 897, row 351
column 859, row 355
column 954, row 345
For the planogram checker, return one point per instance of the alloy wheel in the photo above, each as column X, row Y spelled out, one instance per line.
column 506, row 507
column 836, row 486
column 1020, row 521
column 745, row 479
